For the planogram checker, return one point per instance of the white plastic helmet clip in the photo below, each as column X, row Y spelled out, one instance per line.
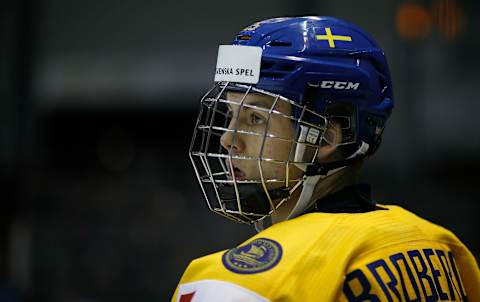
column 303, row 152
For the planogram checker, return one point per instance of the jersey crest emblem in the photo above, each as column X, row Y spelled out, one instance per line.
column 258, row 256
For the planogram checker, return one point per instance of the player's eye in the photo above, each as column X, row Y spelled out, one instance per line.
column 256, row 119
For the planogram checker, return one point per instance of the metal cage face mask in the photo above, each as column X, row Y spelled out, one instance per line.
column 249, row 150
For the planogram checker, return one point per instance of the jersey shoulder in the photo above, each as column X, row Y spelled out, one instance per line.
column 353, row 234
column 271, row 263
column 316, row 248
column 415, row 260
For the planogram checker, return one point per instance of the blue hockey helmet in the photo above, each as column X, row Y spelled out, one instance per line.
column 317, row 61
column 327, row 70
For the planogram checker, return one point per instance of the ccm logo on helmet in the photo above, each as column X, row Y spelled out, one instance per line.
column 340, row 85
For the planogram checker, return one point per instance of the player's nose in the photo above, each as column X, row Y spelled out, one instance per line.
column 232, row 140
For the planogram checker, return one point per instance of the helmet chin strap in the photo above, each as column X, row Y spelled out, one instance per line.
column 323, row 171
column 309, row 185
column 311, row 179
column 260, row 224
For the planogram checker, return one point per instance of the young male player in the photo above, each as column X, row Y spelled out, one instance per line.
column 298, row 105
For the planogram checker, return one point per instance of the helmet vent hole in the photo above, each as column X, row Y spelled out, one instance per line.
column 274, row 70
column 272, row 75
column 244, row 37
column 266, row 65
column 287, row 67
column 279, row 43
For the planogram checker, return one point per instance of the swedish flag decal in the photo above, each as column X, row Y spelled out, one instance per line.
column 332, row 38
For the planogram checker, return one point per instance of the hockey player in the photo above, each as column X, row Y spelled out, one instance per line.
column 297, row 107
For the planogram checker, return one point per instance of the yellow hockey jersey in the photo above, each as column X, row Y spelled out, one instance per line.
column 383, row 255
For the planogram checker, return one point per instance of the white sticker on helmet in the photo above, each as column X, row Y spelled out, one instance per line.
column 238, row 63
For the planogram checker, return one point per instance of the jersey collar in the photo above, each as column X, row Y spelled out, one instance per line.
column 352, row 199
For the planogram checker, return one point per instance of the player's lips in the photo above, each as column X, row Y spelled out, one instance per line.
column 239, row 174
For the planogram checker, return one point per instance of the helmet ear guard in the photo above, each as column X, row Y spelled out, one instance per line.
column 344, row 115
column 312, row 136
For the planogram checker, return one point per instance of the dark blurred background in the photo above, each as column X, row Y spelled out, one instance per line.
column 98, row 201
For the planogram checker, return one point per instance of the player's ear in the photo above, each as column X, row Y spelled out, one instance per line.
column 332, row 137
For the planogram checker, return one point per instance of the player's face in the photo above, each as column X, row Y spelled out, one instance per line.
column 258, row 121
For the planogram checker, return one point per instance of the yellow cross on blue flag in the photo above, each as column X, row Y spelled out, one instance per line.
column 332, row 38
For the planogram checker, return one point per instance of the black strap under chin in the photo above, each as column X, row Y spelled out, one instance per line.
column 323, row 168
